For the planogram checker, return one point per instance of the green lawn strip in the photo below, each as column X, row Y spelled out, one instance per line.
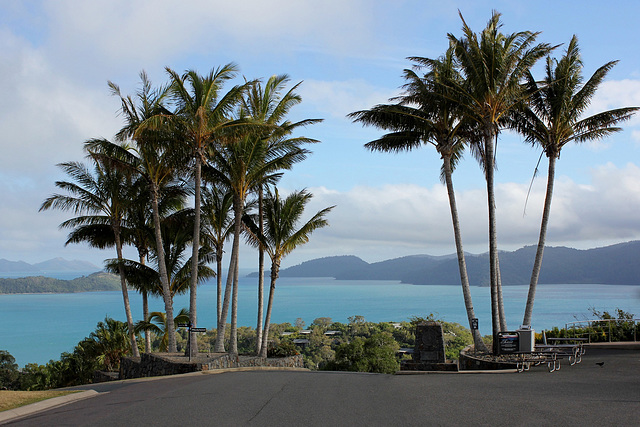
column 15, row 399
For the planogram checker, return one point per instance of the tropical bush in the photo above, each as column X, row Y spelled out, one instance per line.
column 8, row 371
column 374, row 354
column 102, row 350
column 284, row 349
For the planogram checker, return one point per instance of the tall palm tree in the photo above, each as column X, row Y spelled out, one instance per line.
column 202, row 117
column 268, row 105
column 243, row 166
column 282, row 234
column 99, row 197
column 155, row 156
column 493, row 66
column 425, row 114
column 552, row 118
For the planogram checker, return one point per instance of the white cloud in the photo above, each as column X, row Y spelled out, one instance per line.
column 617, row 94
column 339, row 98
column 44, row 117
column 378, row 223
column 149, row 31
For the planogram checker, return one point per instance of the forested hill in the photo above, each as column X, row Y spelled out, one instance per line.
column 616, row 265
column 38, row 284
column 49, row 266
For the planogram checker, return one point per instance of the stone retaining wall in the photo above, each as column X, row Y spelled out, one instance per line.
column 467, row 362
column 159, row 364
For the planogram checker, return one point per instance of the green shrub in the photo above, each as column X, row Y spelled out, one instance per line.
column 374, row 354
column 284, row 349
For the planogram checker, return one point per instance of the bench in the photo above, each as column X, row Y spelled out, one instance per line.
column 551, row 353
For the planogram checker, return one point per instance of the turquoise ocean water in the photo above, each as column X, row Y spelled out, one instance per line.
column 37, row 328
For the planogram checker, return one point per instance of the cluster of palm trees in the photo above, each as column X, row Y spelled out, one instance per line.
column 480, row 86
column 190, row 140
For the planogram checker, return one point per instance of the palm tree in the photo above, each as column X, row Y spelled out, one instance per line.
column 176, row 229
column 493, row 66
column 99, row 197
column 243, row 166
column 268, row 105
column 552, row 119
column 426, row 115
column 158, row 325
column 202, row 117
column 156, row 157
column 281, row 236
column 109, row 342
column 217, row 208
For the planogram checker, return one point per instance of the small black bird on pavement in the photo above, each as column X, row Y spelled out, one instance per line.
column 601, row 364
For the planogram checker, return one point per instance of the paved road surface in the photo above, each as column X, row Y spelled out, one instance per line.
column 584, row 394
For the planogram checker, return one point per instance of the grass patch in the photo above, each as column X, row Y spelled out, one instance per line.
column 15, row 399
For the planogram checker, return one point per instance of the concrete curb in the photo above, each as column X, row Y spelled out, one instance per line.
column 467, row 371
column 43, row 405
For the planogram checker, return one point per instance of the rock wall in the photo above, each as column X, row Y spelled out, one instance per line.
column 470, row 362
column 159, row 364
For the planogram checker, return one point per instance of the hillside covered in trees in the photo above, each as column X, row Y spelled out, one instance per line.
column 614, row 265
column 39, row 284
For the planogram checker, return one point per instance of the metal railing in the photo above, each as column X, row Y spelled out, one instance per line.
column 601, row 326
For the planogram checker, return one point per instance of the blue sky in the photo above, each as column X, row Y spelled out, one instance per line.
column 56, row 58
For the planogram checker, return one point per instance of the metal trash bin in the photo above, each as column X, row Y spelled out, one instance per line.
column 527, row 339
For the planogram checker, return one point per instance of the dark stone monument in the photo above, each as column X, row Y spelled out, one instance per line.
column 428, row 354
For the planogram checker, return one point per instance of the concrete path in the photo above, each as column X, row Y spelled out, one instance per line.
column 584, row 394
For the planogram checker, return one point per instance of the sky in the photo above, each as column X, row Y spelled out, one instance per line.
column 57, row 56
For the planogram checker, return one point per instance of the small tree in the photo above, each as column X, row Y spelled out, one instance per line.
column 281, row 236
column 8, row 370
column 374, row 354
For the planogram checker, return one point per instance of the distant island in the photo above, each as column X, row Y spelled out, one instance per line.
column 38, row 284
column 611, row 265
column 55, row 265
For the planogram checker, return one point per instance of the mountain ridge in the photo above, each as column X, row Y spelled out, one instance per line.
column 52, row 265
column 615, row 264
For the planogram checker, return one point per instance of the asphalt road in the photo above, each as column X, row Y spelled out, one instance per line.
column 584, row 394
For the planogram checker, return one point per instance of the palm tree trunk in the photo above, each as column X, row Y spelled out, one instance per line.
column 233, row 346
column 193, row 318
column 501, row 315
column 275, row 269
column 125, row 293
column 164, row 276
column 537, row 265
column 260, row 276
column 462, row 264
column 222, row 324
column 238, row 208
column 145, row 316
column 493, row 241
column 219, row 285
column 145, row 311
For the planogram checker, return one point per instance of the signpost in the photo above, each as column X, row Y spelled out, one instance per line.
column 191, row 329
column 474, row 327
